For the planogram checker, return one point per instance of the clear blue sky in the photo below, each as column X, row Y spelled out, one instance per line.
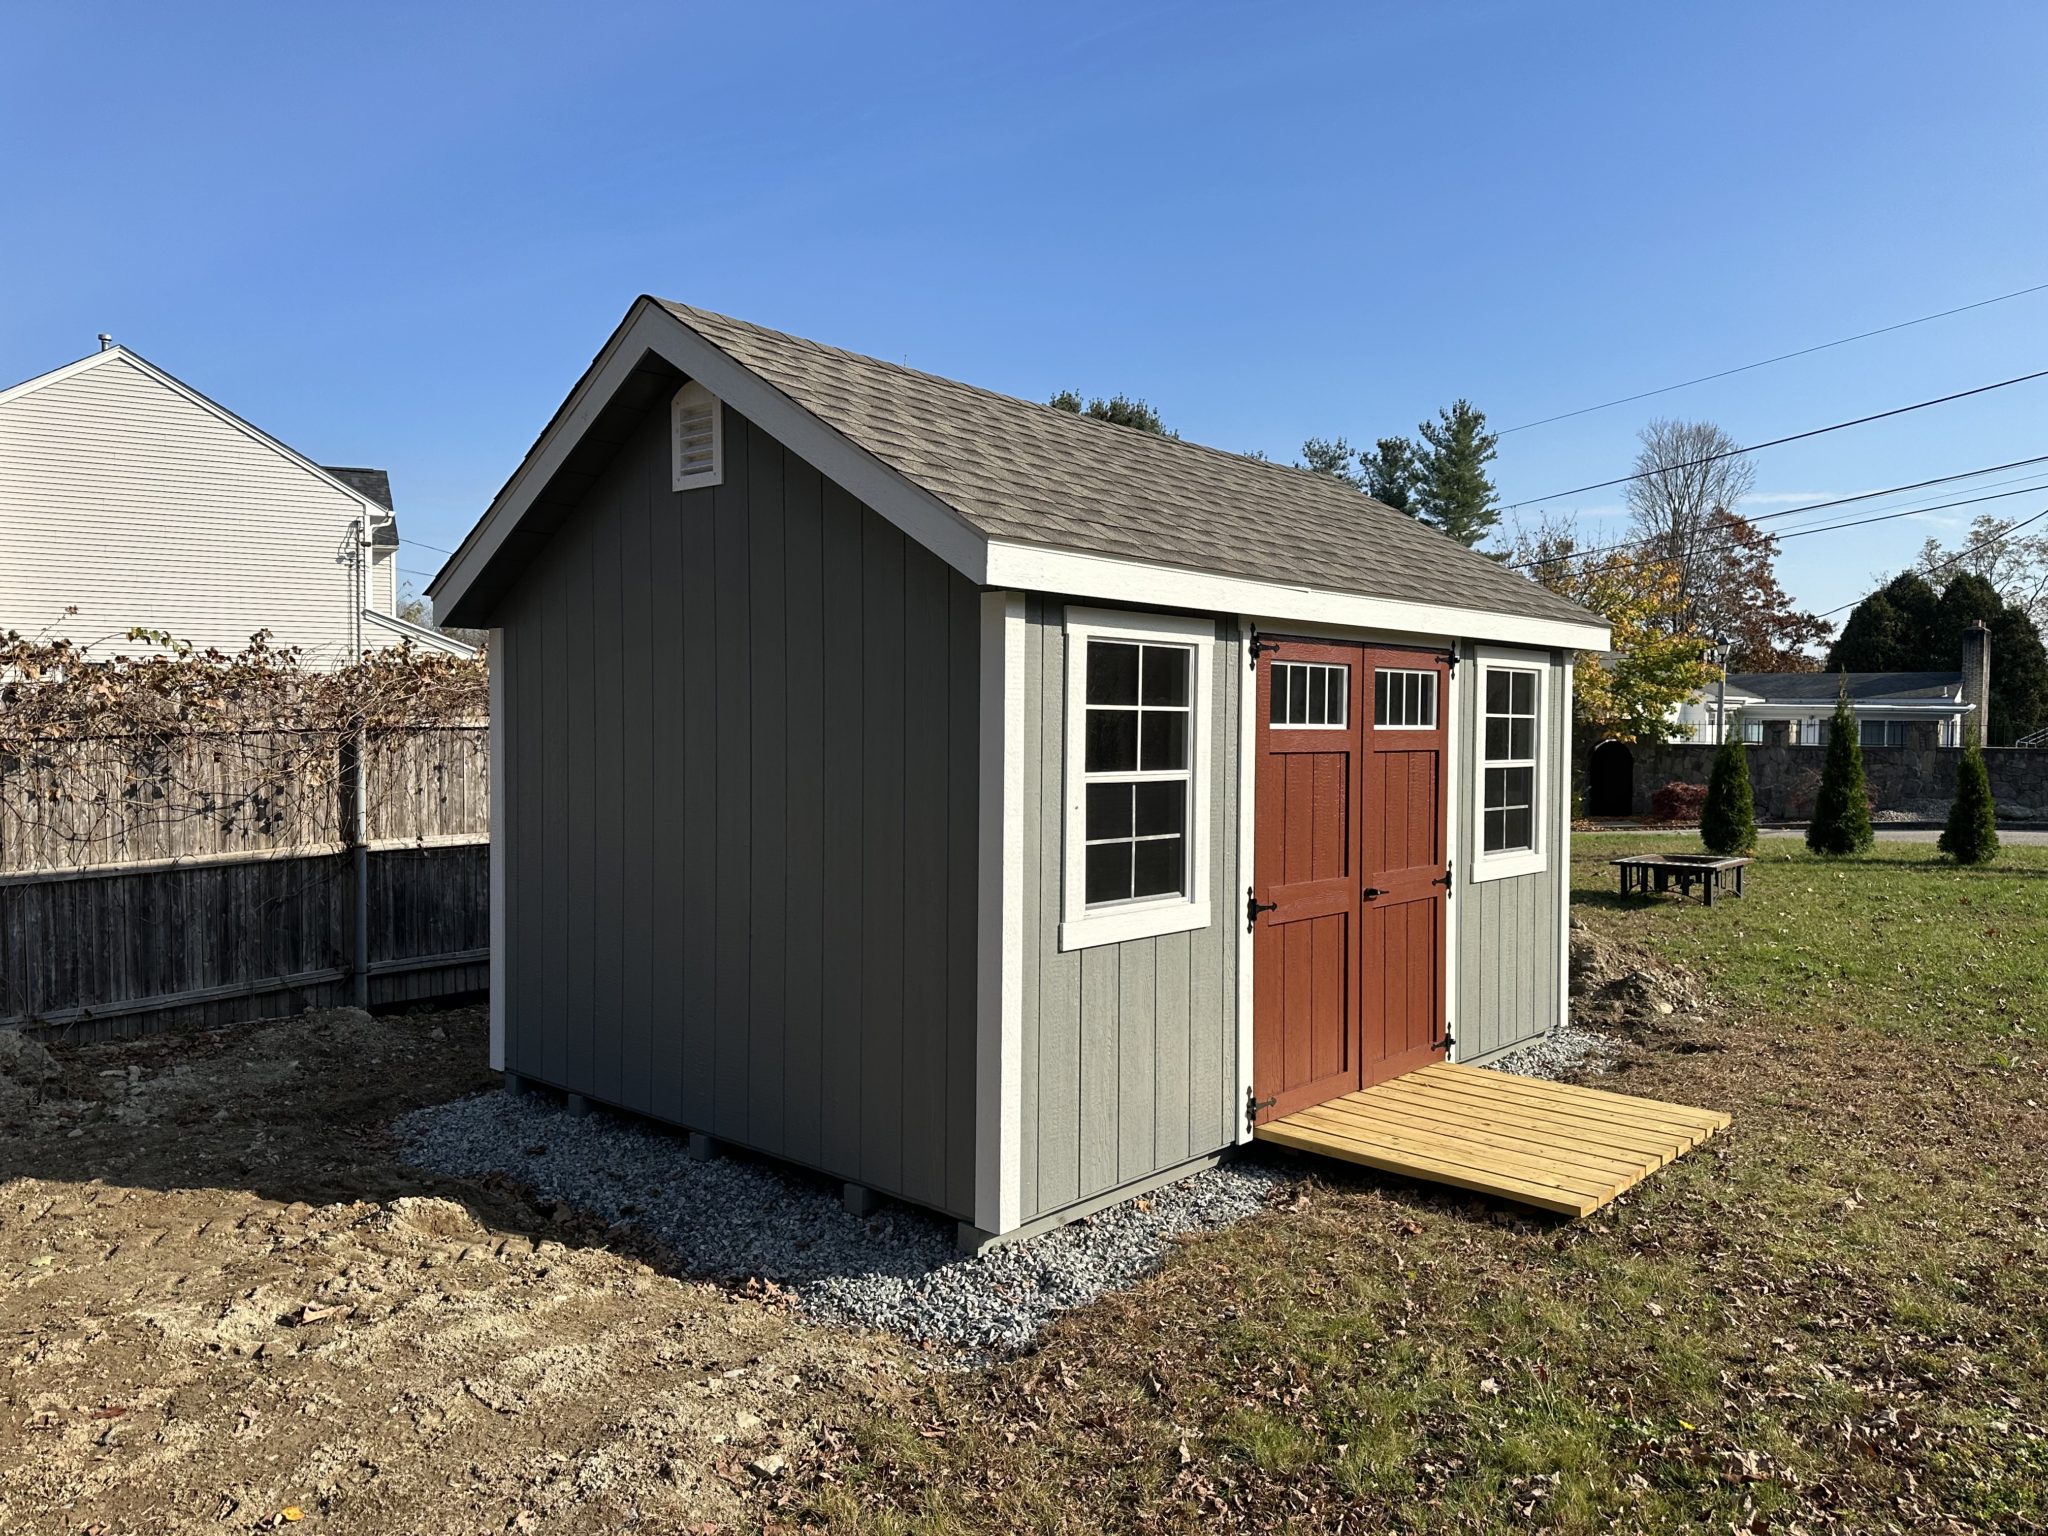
column 395, row 234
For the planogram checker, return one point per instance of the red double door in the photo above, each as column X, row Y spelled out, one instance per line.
column 1350, row 875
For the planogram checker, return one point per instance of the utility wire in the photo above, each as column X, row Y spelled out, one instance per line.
column 1811, row 506
column 1707, row 378
column 1941, row 565
column 1777, row 442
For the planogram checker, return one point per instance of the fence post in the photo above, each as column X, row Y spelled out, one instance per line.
column 355, row 834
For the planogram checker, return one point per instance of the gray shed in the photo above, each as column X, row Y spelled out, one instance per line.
column 988, row 806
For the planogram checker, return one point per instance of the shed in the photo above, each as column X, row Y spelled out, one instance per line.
column 991, row 807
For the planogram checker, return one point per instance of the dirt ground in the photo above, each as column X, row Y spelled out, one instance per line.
column 225, row 1306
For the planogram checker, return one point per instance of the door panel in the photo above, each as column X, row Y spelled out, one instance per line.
column 1305, row 870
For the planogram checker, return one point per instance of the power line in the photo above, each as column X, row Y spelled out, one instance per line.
column 1812, row 506
column 437, row 549
column 1940, row 565
column 1708, row 378
column 1778, row 442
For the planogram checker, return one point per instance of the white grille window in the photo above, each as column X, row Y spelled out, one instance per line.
column 1310, row 695
column 1137, row 814
column 697, row 441
column 1510, row 813
column 1403, row 700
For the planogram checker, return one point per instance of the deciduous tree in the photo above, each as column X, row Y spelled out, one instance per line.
column 1685, row 472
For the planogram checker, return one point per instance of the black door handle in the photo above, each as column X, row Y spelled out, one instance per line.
column 1372, row 890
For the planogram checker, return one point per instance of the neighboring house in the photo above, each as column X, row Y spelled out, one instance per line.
column 1892, row 709
column 985, row 805
column 134, row 499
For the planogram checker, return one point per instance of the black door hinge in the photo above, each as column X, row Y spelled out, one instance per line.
column 1447, row 1042
column 1252, row 1105
column 1451, row 660
column 1256, row 647
column 1253, row 907
column 1444, row 880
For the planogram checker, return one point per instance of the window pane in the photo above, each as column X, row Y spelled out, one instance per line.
column 1524, row 692
column 1497, row 692
column 1379, row 699
column 1112, row 672
column 1109, row 872
column 1519, row 786
column 1297, row 695
column 1496, row 739
column 1112, row 740
column 1318, row 697
column 1496, row 787
column 1522, row 738
column 1516, row 833
column 1162, row 808
column 1496, row 831
column 1109, row 811
column 1166, row 674
column 1425, row 711
column 1339, row 681
column 1158, row 867
column 1166, row 739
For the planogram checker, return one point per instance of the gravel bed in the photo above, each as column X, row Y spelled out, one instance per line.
column 1566, row 1052
column 733, row 1219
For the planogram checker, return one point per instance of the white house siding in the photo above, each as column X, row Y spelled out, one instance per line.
column 383, row 582
column 123, row 498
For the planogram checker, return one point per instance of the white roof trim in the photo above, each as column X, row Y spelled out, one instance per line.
column 179, row 387
column 650, row 328
column 986, row 562
column 1114, row 579
column 426, row 639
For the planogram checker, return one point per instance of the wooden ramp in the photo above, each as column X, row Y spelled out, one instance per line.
column 1552, row 1145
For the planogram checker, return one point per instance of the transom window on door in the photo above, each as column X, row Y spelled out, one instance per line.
column 1311, row 695
column 1137, row 691
column 1510, row 809
column 1403, row 700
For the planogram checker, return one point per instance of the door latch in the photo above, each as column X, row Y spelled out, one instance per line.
column 1253, row 907
column 1371, row 892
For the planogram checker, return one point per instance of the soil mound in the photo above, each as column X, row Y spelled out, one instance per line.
column 1616, row 982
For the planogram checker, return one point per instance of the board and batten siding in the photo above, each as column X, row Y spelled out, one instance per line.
column 743, row 786
column 1508, row 988
column 1129, row 1050
column 140, row 507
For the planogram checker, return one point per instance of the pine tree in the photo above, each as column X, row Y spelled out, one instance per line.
column 1453, row 490
column 1841, row 812
column 1971, row 836
column 1390, row 471
column 1728, row 820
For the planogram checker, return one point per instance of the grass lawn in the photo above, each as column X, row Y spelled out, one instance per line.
column 1830, row 1318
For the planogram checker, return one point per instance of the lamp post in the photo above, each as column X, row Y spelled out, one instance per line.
column 1718, row 654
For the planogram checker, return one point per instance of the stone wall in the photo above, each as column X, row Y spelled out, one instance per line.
column 1918, row 781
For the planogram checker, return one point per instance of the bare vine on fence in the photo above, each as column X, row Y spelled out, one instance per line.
column 178, row 751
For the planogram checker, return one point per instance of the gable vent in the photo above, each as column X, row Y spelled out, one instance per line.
column 698, row 452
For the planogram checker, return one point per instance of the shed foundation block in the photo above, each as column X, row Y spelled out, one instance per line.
column 576, row 1104
column 515, row 1084
column 859, row 1200
column 700, row 1147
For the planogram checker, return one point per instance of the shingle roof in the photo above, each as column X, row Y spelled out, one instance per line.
column 1035, row 475
column 1822, row 687
column 375, row 484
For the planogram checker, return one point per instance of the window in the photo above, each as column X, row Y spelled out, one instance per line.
column 1311, row 695
column 1403, row 700
column 1137, row 818
column 1510, row 807
column 696, row 443
column 1884, row 733
column 1752, row 731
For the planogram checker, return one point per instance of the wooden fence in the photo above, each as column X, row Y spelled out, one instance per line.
column 215, row 882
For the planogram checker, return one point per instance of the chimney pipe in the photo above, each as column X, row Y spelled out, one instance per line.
column 106, row 341
column 1977, row 683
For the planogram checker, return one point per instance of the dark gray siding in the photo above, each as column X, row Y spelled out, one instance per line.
column 1507, row 955
column 744, row 754
column 1130, row 1050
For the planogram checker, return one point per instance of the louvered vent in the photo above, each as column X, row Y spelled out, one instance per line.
column 698, row 453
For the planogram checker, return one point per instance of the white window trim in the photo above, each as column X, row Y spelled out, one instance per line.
column 1143, row 919
column 1520, row 861
column 692, row 396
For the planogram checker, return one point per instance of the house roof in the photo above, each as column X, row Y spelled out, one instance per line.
column 1030, row 474
column 375, row 484
column 1823, row 687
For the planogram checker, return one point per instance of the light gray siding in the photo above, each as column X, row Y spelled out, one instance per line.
column 1129, row 1050
column 1507, row 947
column 135, row 504
column 742, row 893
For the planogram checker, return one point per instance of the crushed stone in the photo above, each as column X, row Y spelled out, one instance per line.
column 738, row 1220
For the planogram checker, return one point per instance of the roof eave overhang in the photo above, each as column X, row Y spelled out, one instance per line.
column 650, row 329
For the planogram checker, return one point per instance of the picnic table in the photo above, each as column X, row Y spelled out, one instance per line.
column 1710, row 871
